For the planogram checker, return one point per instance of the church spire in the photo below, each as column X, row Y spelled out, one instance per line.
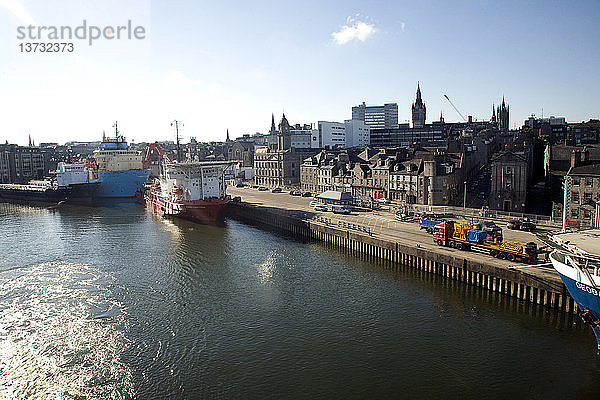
column 273, row 127
column 441, row 117
column 418, row 92
column 228, row 140
column 30, row 140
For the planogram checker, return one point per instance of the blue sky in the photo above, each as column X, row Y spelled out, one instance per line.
column 228, row 65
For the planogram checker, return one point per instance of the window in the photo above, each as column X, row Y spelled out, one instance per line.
column 587, row 214
column 587, row 197
column 589, row 181
column 574, row 213
column 576, row 181
column 575, row 197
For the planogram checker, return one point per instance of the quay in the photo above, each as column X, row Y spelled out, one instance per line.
column 402, row 245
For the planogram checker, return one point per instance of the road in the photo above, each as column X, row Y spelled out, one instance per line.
column 383, row 224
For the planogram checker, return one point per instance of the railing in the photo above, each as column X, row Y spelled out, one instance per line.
column 343, row 224
column 478, row 213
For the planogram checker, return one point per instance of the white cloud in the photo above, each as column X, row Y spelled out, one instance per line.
column 402, row 26
column 353, row 29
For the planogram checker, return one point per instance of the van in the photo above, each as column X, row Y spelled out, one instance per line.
column 339, row 209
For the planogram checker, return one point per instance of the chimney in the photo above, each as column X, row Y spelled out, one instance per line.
column 585, row 156
column 575, row 158
column 470, row 117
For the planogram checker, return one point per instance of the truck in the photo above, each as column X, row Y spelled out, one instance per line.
column 429, row 221
column 467, row 236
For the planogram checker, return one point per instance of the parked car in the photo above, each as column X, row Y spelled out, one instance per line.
column 514, row 224
column 262, row 188
column 527, row 226
column 340, row 209
column 295, row 193
column 524, row 225
column 239, row 185
column 306, row 194
column 313, row 203
column 276, row 190
column 321, row 207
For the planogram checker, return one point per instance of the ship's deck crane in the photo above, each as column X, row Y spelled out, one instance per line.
column 453, row 106
column 159, row 150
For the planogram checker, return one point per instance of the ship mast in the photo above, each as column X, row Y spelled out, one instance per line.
column 116, row 126
column 177, row 123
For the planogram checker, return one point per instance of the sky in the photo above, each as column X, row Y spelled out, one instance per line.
column 230, row 64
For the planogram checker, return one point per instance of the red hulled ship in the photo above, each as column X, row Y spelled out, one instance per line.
column 190, row 190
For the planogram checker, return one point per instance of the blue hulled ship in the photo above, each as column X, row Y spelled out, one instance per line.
column 578, row 264
column 117, row 168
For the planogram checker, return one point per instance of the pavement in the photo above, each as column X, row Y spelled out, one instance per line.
column 382, row 224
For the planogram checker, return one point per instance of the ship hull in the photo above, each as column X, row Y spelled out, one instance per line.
column 207, row 211
column 75, row 194
column 584, row 289
column 121, row 184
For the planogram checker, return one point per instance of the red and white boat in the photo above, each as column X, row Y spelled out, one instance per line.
column 190, row 190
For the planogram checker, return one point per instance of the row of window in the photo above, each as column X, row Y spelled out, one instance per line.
column 575, row 197
column 589, row 181
column 583, row 213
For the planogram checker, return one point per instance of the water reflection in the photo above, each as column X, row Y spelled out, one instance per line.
column 61, row 334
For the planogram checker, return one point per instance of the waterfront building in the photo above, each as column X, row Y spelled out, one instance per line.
column 377, row 117
column 409, row 176
column 509, row 173
column 427, row 177
column 582, row 191
column 20, row 164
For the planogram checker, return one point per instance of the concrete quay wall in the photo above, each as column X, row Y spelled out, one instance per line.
column 549, row 293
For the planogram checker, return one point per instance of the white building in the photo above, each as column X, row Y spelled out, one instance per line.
column 343, row 135
column 358, row 134
column 332, row 135
column 385, row 116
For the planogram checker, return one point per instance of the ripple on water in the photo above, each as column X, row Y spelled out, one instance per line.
column 61, row 334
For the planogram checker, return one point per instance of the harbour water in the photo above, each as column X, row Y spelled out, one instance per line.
column 114, row 302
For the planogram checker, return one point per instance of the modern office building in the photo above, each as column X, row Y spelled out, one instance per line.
column 385, row 116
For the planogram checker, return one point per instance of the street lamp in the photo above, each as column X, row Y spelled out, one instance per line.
column 465, row 198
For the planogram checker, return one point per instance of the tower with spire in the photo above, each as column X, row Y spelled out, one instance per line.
column 227, row 140
column 502, row 114
column 418, row 110
column 284, row 140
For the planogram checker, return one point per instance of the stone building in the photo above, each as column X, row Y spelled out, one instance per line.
column 427, row 178
column 279, row 164
column 243, row 152
column 401, row 175
column 582, row 192
column 509, row 182
column 20, row 164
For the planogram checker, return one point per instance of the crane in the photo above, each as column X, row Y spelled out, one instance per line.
column 452, row 104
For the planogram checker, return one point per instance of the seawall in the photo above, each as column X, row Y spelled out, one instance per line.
column 547, row 291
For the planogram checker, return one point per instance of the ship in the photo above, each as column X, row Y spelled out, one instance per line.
column 577, row 261
column 117, row 168
column 190, row 190
column 70, row 183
